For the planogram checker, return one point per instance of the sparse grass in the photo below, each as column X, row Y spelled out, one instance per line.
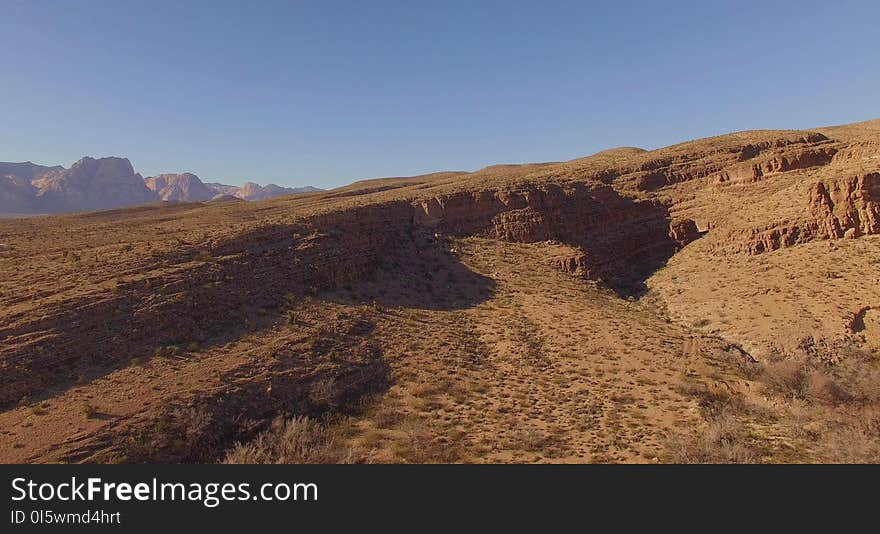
column 322, row 392
column 39, row 409
column 831, row 410
column 725, row 441
column 166, row 351
column 299, row 440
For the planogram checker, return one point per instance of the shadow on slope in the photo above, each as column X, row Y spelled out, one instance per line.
column 425, row 275
column 194, row 299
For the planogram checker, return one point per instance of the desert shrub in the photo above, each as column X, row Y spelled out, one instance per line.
column 322, row 392
column 166, row 351
column 788, row 378
column 855, row 441
column 822, row 387
column 712, row 401
column 39, row 409
column 299, row 440
column 851, row 380
column 858, row 374
column 529, row 439
column 183, row 434
column 419, row 444
column 385, row 415
column 725, row 441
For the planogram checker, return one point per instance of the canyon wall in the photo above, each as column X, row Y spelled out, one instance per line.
column 834, row 208
column 622, row 239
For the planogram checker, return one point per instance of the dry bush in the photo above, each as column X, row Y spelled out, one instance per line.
column 833, row 406
column 859, row 374
column 178, row 435
column 322, row 393
column 801, row 379
column 386, row 415
column 419, row 444
column 712, row 401
column 788, row 378
column 851, row 380
column 725, row 441
column 856, row 441
column 529, row 439
column 299, row 440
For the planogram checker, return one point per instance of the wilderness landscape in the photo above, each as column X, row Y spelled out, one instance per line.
column 713, row 301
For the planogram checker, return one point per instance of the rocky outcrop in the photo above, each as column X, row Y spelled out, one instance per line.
column 92, row 184
column 835, row 208
column 17, row 193
column 861, row 152
column 186, row 187
column 753, row 171
column 252, row 191
column 27, row 170
column 847, row 204
column 730, row 159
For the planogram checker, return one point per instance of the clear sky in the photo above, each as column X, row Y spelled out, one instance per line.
column 324, row 93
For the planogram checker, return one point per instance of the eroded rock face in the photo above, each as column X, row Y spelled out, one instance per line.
column 844, row 207
column 252, row 191
column 753, row 171
column 17, row 193
column 186, row 187
column 622, row 239
column 92, row 184
column 844, row 204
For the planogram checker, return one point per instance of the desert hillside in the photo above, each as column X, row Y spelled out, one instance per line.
column 712, row 301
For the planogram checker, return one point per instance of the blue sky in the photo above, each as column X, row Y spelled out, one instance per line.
column 324, row 93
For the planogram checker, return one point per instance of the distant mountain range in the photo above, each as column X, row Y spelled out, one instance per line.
column 106, row 183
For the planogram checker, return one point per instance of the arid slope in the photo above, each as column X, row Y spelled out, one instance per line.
column 628, row 306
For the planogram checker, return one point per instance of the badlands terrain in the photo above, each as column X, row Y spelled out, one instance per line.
column 713, row 301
